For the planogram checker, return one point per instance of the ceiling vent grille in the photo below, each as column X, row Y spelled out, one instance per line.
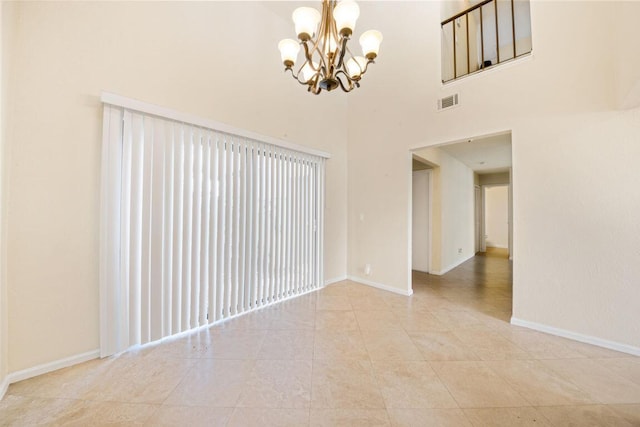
column 447, row 102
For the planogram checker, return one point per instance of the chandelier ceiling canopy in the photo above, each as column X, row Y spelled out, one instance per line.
column 328, row 62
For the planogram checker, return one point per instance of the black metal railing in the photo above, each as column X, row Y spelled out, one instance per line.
column 487, row 34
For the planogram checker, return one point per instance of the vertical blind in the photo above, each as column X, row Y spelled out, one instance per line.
column 200, row 225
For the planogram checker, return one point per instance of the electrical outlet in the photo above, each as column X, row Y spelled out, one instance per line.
column 367, row 269
column 459, row 250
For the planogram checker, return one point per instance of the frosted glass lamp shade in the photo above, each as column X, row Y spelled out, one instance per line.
column 289, row 51
column 356, row 66
column 370, row 42
column 308, row 72
column 306, row 20
column 346, row 14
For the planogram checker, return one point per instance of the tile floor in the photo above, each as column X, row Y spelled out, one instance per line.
column 351, row 355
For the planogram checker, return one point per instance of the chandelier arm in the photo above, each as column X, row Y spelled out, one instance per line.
column 308, row 54
column 343, row 50
column 352, row 83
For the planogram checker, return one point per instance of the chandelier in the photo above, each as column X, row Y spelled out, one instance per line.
column 328, row 61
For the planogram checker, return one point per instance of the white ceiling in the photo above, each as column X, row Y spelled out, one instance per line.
column 483, row 155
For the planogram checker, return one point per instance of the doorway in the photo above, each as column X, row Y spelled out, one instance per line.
column 463, row 174
column 496, row 219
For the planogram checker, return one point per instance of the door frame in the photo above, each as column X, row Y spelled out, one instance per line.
column 429, row 222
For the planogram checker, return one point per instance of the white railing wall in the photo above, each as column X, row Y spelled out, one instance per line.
column 200, row 225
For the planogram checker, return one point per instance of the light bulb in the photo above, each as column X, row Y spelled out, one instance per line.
column 289, row 51
column 306, row 20
column 330, row 45
column 370, row 42
column 308, row 72
column 356, row 66
column 345, row 14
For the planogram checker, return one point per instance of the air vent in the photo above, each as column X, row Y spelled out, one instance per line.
column 447, row 102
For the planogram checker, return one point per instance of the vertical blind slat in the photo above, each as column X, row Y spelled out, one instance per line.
column 215, row 196
column 145, row 231
column 156, row 238
column 187, row 231
column 167, row 259
column 206, row 219
column 222, row 259
column 196, row 237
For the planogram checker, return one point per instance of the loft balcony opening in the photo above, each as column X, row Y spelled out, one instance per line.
column 487, row 33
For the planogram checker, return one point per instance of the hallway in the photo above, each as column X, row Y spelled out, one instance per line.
column 483, row 283
column 351, row 355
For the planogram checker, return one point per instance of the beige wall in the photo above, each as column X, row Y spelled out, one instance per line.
column 566, row 133
column 218, row 60
column 5, row 26
column 626, row 62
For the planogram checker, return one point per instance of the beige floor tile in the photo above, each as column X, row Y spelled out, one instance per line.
column 269, row 417
column 334, row 320
column 192, row 346
column 339, row 344
column 192, row 416
column 584, row 416
column 217, row 343
column 212, row 382
column 475, row 385
column 599, row 382
column 541, row 346
column 420, row 321
column 458, row 319
column 390, row 345
column 442, row 346
column 630, row 413
column 235, row 344
column 377, row 320
column 278, row 384
column 289, row 319
column 490, row 345
column 29, row 411
column 337, row 289
column 85, row 413
column 260, row 319
column 627, row 367
column 349, row 418
column 344, row 384
column 592, row 351
column 369, row 302
column 288, row 344
column 428, row 417
column 506, row 417
column 69, row 383
column 538, row 384
column 411, row 385
column 139, row 380
column 333, row 302
column 303, row 303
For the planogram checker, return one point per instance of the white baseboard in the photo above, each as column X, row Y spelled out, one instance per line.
column 335, row 280
column 24, row 374
column 611, row 345
column 4, row 386
column 381, row 286
column 451, row 267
